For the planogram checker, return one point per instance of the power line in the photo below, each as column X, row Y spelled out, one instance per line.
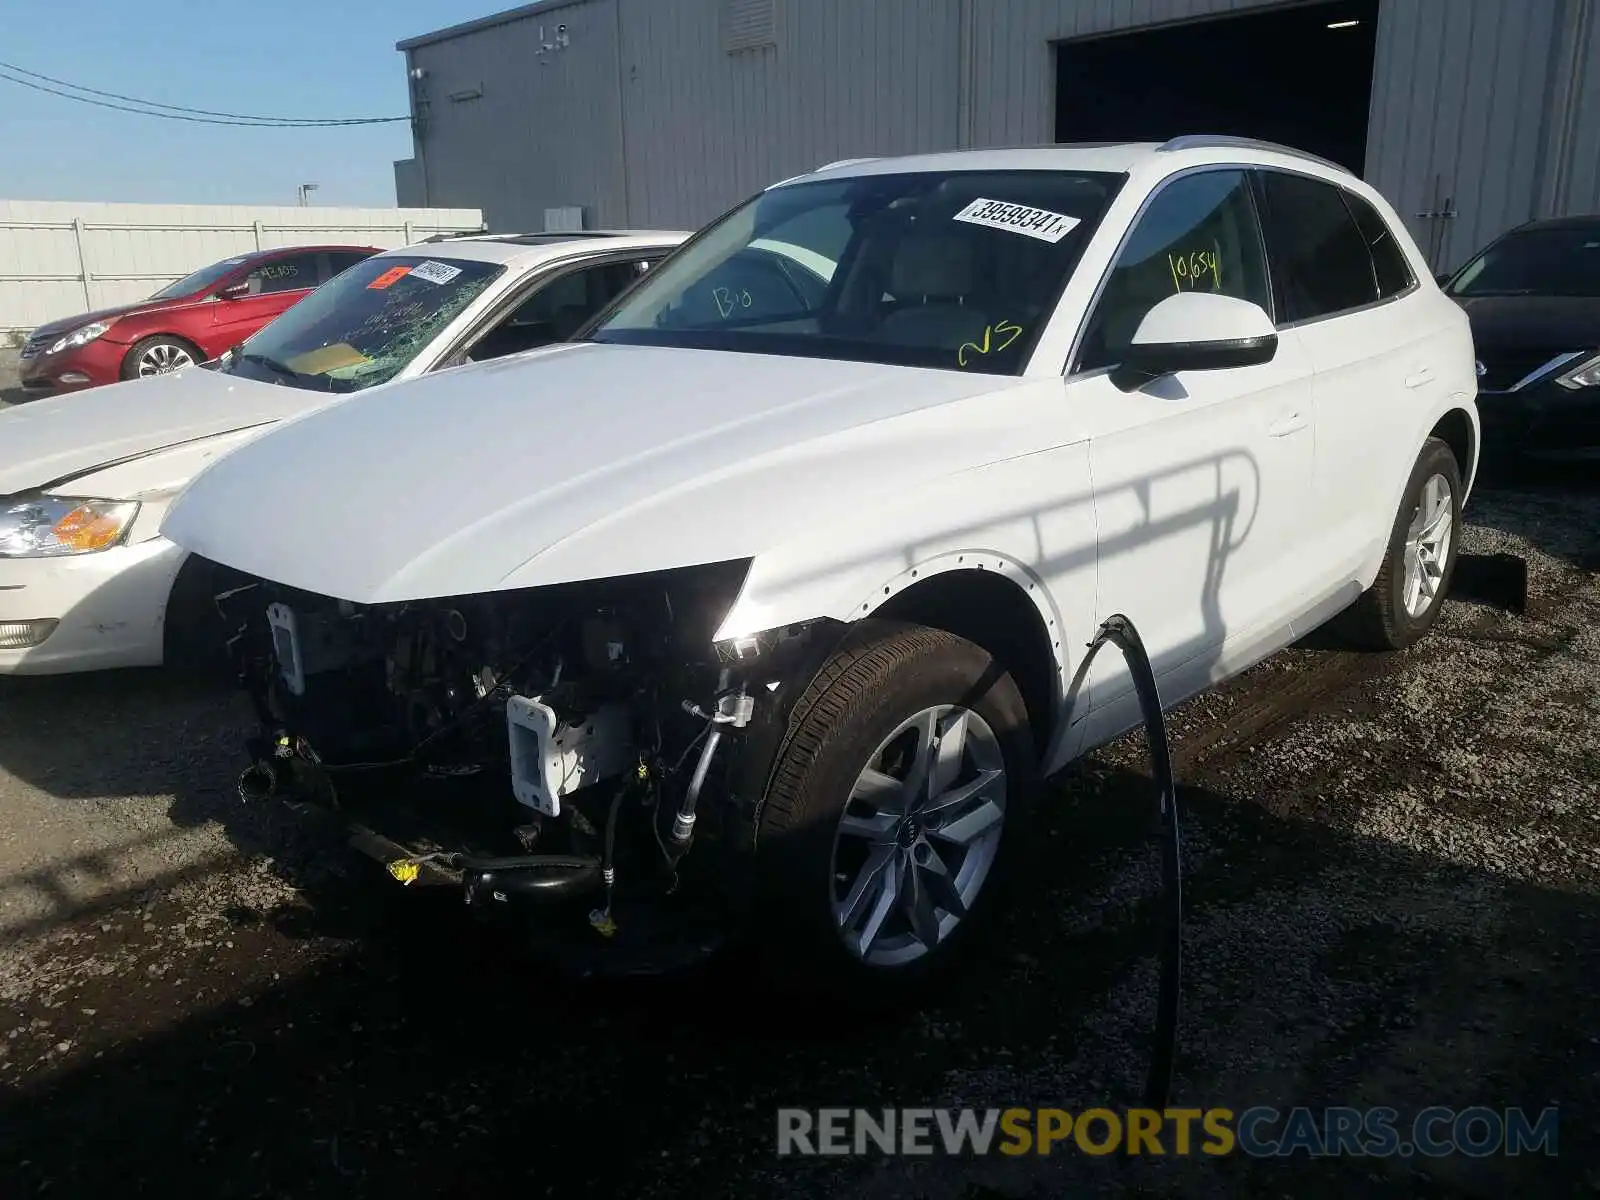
column 179, row 112
column 198, row 120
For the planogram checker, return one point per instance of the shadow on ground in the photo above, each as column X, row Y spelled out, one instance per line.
column 415, row 1060
column 154, row 735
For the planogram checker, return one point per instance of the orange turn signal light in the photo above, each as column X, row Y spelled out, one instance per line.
column 90, row 527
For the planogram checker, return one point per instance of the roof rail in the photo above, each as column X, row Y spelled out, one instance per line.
column 843, row 162
column 1202, row 141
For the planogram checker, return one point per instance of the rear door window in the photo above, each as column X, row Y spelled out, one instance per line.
column 291, row 273
column 1319, row 256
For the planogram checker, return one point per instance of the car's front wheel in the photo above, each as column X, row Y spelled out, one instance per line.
column 894, row 812
column 1404, row 600
column 158, row 355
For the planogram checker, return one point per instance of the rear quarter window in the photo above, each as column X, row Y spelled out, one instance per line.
column 1388, row 259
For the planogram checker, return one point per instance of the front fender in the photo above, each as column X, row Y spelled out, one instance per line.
column 1029, row 519
column 157, row 478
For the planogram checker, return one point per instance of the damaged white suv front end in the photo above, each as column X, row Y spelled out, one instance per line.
column 763, row 604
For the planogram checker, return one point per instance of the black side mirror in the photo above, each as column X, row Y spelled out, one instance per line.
column 1442, row 279
column 236, row 291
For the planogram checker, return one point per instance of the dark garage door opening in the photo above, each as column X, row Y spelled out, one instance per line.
column 1301, row 76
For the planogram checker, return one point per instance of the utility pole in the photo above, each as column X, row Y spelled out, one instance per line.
column 304, row 192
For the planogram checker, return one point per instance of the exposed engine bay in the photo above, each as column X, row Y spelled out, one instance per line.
column 564, row 745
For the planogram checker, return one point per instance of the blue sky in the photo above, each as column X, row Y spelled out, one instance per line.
column 293, row 58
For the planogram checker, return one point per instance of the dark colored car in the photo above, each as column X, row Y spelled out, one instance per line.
column 1533, row 298
column 192, row 320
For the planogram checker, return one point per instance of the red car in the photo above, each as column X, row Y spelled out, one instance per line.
column 190, row 321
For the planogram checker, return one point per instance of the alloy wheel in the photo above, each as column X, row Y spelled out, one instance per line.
column 918, row 836
column 1427, row 548
column 163, row 357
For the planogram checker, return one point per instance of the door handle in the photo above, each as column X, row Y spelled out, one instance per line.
column 1284, row 426
column 1419, row 378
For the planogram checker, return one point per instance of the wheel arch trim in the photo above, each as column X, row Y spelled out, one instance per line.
column 757, row 611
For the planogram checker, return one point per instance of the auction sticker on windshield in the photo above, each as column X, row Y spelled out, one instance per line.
column 1038, row 223
column 388, row 278
column 435, row 272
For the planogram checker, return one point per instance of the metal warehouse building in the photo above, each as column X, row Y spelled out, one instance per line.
column 1470, row 115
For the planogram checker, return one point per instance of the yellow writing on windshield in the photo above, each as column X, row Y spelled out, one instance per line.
column 996, row 337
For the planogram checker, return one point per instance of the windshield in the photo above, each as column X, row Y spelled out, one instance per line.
column 952, row 270
column 1538, row 262
column 364, row 326
column 201, row 279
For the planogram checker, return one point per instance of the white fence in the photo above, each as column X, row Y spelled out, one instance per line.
column 59, row 258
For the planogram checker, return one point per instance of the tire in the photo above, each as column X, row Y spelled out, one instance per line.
column 142, row 360
column 1382, row 618
column 193, row 632
column 810, row 864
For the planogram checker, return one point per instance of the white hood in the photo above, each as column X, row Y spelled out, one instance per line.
column 575, row 462
column 46, row 442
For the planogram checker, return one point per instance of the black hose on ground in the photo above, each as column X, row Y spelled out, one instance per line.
column 1120, row 631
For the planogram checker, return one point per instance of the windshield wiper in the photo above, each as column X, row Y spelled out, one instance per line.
column 271, row 364
column 288, row 374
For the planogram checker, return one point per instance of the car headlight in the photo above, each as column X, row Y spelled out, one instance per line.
column 52, row 526
column 1585, row 374
column 79, row 337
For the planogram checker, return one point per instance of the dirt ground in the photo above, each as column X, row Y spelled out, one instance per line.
column 1393, row 897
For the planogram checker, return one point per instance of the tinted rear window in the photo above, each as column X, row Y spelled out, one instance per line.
column 1319, row 255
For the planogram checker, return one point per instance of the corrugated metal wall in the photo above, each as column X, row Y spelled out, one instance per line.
column 1491, row 105
column 58, row 258
column 1574, row 177
column 706, row 128
column 1461, row 119
column 525, row 123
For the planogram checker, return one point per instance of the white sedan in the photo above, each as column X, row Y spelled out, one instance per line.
column 772, row 632
column 86, row 580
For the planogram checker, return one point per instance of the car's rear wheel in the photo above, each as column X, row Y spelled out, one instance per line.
column 157, row 355
column 893, row 817
column 1404, row 600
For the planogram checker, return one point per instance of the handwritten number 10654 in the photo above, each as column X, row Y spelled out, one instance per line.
column 1195, row 269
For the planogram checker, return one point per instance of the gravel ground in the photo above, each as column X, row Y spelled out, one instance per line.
column 1392, row 865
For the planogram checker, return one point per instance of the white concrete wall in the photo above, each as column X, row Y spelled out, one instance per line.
column 58, row 258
